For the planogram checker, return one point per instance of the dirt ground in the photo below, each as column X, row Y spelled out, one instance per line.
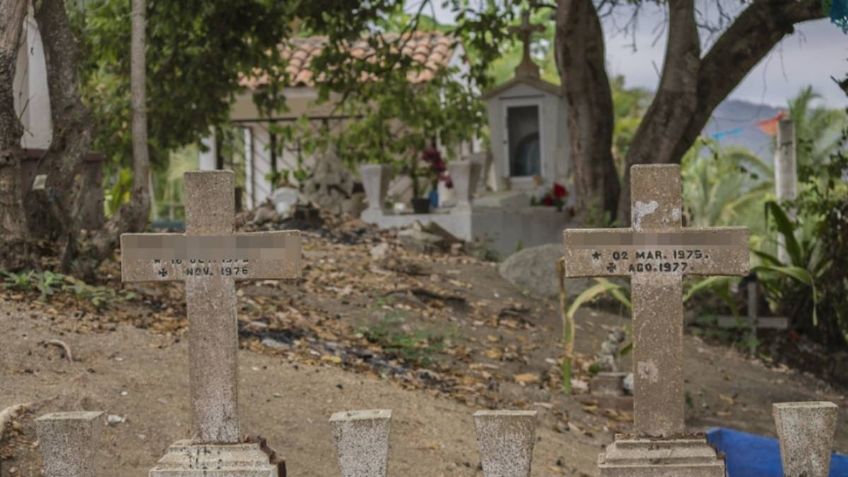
column 432, row 336
column 143, row 377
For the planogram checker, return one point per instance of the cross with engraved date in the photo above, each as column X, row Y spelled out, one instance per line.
column 209, row 257
column 656, row 252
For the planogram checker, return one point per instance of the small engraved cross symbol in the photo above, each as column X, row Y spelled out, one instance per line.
column 162, row 272
column 611, row 267
column 596, row 255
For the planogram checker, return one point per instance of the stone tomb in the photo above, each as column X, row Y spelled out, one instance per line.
column 208, row 259
column 504, row 221
column 806, row 432
column 656, row 253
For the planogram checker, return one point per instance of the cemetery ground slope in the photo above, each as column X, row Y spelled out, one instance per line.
column 142, row 377
column 433, row 335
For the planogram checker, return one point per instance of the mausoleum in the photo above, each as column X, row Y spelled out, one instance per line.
column 498, row 193
column 527, row 120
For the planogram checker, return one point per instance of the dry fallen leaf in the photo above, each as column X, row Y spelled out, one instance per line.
column 527, row 378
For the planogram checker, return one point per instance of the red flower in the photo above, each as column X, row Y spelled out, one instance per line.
column 560, row 191
column 548, row 200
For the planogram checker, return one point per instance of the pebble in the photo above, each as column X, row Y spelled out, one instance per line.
column 114, row 419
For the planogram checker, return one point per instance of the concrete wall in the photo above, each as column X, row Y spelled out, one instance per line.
column 504, row 230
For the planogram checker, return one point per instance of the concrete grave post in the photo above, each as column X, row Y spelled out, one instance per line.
column 208, row 258
column 656, row 252
column 362, row 442
column 506, row 440
column 609, row 391
column 785, row 174
column 375, row 181
column 461, row 174
column 69, row 441
column 481, row 164
column 806, row 432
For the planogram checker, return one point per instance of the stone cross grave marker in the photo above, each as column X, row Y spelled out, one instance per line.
column 656, row 252
column 209, row 257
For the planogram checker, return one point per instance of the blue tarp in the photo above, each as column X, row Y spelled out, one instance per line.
column 750, row 455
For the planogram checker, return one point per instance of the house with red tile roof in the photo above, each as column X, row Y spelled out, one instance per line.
column 264, row 151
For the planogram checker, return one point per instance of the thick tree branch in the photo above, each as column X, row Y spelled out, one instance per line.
column 677, row 97
column 757, row 30
column 58, row 211
column 12, row 14
column 678, row 89
column 62, row 57
column 691, row 88
column 581, row 62
column 13, row 226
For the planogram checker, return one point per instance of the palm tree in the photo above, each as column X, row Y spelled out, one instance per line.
column 817, row 130
column 725, row 186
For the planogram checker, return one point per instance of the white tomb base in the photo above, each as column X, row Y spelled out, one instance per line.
column 186, row 459
column 503, row 229
column 641, row 457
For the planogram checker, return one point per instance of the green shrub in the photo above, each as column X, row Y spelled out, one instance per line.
column 48, row 284
column 811, row 288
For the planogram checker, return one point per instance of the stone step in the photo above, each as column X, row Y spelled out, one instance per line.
column 608, row 384
column 633, row 457
column 187, row 459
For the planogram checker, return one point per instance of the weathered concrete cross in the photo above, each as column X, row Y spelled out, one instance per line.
column 655, row 253
column 209, row 257
column 525, row 33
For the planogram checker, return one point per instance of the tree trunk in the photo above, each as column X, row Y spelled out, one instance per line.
column 58, row 208
column 132, row 216
column 676, row 99
column 580, row 60
column 13, row 223
column 692, row 87
column 138, row 209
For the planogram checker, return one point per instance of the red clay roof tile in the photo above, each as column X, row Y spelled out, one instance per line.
column 432, row 50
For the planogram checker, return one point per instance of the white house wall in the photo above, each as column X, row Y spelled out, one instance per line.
column 32, row 100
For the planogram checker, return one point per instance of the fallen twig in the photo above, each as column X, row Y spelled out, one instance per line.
column 64, row 346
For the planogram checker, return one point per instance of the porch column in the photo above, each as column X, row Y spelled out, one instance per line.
column 207, row 159
column 248, row 167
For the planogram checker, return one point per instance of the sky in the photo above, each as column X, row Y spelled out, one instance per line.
column 815, row 52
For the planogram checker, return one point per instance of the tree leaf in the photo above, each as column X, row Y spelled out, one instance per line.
column 787, row 229
column 589, row 294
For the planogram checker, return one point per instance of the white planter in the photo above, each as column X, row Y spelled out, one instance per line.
column 375, row 181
